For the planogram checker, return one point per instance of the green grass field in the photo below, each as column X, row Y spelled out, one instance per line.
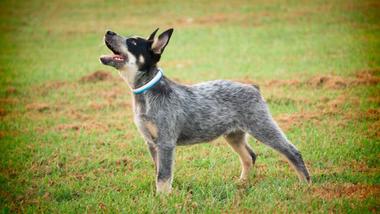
column 68, row 143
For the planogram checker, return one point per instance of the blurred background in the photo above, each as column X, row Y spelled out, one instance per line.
column 67, row 138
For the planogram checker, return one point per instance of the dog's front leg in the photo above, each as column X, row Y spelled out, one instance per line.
column 153, row 153
column 165, row 168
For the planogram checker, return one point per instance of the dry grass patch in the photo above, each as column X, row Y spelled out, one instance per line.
column 287, row 121
column 333, row 191
column 96, row 77
column 86, row 126
column 363, row 77
column 40, row 107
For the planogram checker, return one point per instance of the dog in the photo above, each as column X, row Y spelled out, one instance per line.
column 169, row 114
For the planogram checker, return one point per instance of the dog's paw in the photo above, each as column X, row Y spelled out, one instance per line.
column 163, row 188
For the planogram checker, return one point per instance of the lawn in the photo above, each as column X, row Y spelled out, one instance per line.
column 68, row 143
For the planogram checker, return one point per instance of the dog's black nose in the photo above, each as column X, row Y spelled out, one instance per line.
column 110, row 33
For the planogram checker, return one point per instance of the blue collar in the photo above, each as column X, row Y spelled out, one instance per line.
column 150, row 84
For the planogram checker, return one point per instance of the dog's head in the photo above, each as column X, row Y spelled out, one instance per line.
column 133, row 54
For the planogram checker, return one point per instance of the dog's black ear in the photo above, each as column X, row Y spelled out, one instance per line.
column 160, row 43
column 151, row 37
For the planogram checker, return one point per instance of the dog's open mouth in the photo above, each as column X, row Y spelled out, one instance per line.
column 116, row 57
column 113, row 57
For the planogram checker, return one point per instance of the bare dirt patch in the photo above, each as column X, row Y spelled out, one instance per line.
column 123, row 162
column 96, row 76
column 3, row 112
column 214, row 19
column 77, row 115
column 54, row 85
column 11, row 90
column 356, row 191
column 374, row 99
column 361, row 166
column 40, row 107
column 279, row 83
column 8, row 101
column 364, row 77
column 285, row 100
column 326, row 107
column 367, row 77
column 369, row 115
column 349, row 165
column 286, row 121
column 329, row 81
column 99, row 106
column 86, row 126
column 2, row 134
column 336, row 105
column 372, row 114
column 346, row 106
column 64, row 127
column 48, row 87
column 374, row 129
column 117, row 104
column 320, row 81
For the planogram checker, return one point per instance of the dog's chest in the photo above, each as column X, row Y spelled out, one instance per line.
column 144, row 122
column 147, row 128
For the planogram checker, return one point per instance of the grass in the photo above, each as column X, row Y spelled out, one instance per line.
column 71, row 146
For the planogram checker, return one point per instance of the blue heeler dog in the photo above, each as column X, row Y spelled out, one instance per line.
column 169, row 114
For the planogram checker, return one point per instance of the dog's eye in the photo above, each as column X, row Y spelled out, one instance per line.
column 131, row 41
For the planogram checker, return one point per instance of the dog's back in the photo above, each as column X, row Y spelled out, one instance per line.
column 213, row 108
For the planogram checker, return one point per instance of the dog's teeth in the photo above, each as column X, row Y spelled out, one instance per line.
column 117, row 58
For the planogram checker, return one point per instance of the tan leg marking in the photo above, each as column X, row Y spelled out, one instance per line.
column 164, row 186
column 152, row 129
column 237, row 142
column 153, row 152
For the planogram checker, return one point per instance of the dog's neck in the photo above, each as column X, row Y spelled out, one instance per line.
column 136, row 79
column 143, row 77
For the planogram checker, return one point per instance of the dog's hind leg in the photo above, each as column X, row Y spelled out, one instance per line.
column 262, row 126
column 237, row 141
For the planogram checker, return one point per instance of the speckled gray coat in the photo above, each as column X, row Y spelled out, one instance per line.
column 171, row 114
